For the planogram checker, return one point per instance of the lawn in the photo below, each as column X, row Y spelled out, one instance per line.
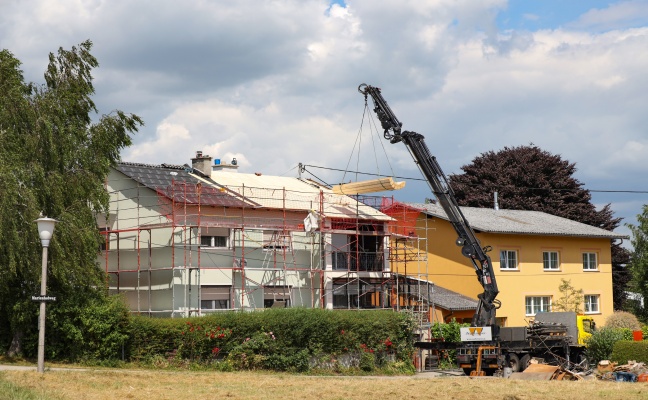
column 147, row 384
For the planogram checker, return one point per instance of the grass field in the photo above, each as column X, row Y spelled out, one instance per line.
column 118, row 384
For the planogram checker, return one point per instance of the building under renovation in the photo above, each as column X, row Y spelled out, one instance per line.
column 189, row 240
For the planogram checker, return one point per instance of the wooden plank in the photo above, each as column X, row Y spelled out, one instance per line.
column 370, row 186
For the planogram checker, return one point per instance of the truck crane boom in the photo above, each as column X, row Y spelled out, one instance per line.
column 427, row 163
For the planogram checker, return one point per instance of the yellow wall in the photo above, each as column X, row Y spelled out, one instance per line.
column 446, row 267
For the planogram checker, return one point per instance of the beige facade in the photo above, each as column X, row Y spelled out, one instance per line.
column 180, row 242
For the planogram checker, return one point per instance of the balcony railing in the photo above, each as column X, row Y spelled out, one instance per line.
column 358, row 261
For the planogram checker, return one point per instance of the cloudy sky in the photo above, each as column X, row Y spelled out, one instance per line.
column 274, row 83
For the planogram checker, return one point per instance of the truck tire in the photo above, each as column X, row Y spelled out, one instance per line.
column 514, row 362
column 524, row 362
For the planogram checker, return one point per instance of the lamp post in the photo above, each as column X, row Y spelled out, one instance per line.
column 45, row 231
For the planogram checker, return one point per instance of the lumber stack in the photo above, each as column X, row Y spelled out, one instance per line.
column 370, row 186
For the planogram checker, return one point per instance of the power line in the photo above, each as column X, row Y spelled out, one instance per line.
column 530, row 188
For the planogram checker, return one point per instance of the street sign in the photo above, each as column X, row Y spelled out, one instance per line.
column 43, row 298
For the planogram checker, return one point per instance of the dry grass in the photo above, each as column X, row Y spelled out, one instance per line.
column 114, row 384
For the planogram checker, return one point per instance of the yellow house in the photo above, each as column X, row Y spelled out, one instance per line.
column 531, row 251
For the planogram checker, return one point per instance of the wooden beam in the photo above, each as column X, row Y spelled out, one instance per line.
column 371, row 186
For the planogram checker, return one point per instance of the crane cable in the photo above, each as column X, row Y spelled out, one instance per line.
column 358, row 142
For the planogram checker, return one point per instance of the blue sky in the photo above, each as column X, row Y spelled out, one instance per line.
column 273, row 83
column 544, row 14
column 553, row 14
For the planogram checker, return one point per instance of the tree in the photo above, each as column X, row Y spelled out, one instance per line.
column 528, row 178
column 639, row 260
column 53, row 160
column 570, row 297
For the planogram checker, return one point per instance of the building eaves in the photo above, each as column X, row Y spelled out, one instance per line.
column 520, row 222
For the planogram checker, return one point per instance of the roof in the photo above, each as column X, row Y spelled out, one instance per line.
column 439, row 296
column 295, row 194
column 232, row 189
column 453, row 301
column 176, row 182
column 520, row 222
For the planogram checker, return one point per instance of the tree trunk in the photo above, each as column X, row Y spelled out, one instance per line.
column 15, row 349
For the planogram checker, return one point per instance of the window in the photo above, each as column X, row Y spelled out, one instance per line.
column 592, row 304
column 214, row 304
column 276, row 296
column 508, row 259
column 362, row 294
column 589, row 262
column 105, row 235
column 550, row 260
column 214, row 237
column 536, row 304
column 215, row 297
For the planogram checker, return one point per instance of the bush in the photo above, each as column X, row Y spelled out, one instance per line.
column 601, row 343
column 623, row 319
column 450, row 332
column 625, row 350
column 95, row 332
column 275, row 339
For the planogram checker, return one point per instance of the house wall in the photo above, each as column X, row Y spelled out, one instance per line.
column 530, row 279
column 446, row 267
column 442, row 315
column 160, row 268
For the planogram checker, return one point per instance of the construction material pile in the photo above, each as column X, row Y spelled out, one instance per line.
column 546, row 329
column 631, row 372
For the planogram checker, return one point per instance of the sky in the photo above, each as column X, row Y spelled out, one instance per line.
column 274, row 82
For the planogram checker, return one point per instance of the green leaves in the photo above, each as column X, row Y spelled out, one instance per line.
column 54, row 160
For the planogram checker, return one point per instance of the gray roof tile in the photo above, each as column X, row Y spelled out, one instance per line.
column 520, row 222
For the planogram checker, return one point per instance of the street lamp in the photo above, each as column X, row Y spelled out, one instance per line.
column 45, row 231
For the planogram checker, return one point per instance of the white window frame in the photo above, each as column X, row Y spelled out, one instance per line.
column 592, row 304
column 548, row 261
column 504, row 260
column 212, row 235
column 536, row 304
column 587, row 261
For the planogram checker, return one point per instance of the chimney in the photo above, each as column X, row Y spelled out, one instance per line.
column 220, row 167
column 496, row 202
column 202, row 163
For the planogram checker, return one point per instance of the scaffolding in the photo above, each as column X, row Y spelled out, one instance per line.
column 190, row 249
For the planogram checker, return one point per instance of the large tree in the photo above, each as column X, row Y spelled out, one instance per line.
column 529, row 178
column 53, row 161
column 639, row 260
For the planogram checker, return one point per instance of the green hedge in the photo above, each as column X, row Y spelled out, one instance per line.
column 625, row 350
column 279, row 339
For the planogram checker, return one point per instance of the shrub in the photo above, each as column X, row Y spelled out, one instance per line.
column 94, row 332
column 276, row 339
column 623, row 319
column 367, row 361
column 601, row 343
column 450, row 332
column 625, row 350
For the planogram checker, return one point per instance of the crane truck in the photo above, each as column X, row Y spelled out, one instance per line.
column 485, row 347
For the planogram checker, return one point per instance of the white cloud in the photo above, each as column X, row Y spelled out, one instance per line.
column 619, row 15
column 273, row 83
